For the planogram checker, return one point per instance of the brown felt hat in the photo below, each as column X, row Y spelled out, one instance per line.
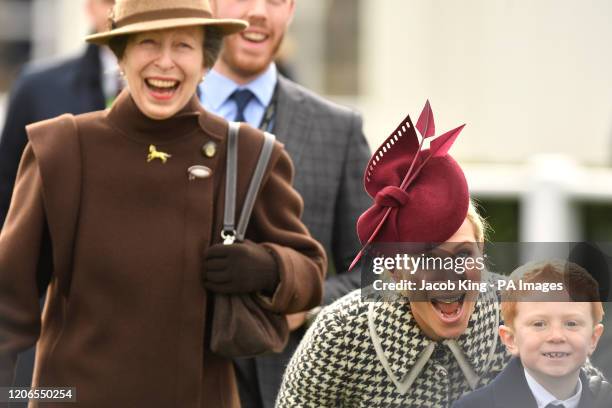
column 136, row 16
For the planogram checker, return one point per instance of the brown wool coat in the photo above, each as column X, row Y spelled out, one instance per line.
column 124, row 321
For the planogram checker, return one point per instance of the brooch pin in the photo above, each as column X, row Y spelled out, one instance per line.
column 209, row 149
column 154, row 154
column 198, row 171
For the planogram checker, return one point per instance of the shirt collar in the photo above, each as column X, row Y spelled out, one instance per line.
column 216, row 88
column 543, row 397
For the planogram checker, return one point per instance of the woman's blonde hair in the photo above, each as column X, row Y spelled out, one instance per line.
column 481, row 226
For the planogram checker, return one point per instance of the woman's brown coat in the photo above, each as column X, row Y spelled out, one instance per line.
column 125, row 316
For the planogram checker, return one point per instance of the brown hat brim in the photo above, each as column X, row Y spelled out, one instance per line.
column 227, row 26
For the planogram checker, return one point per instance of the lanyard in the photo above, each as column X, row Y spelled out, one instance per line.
column 268, row 118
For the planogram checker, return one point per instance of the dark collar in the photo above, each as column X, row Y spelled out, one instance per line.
column 511, row 389
column 125, row 116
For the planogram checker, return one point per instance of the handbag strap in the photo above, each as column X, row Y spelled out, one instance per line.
column 230, row 233
column 249, row 201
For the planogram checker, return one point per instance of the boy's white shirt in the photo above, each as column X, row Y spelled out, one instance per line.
column 543, row 397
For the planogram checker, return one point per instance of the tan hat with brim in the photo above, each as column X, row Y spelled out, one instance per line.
column 136, row 16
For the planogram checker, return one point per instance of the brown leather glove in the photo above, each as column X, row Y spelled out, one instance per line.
column 245, row 267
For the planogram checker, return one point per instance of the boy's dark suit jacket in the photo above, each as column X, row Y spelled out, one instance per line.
column 510, row 390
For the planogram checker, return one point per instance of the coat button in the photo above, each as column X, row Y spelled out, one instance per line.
column 442, row 370
column 209, row 149
column 200, row 172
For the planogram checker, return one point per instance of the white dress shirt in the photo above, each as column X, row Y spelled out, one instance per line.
column 543, row 397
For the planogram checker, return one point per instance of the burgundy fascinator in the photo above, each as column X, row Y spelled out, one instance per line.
column 420, row 195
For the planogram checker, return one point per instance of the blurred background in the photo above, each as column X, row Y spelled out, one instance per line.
column 532, row 80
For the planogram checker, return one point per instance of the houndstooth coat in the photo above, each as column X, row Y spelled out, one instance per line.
column 373, row 354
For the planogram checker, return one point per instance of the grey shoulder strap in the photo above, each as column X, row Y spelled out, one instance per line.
column 260, row 169
column 230, row 233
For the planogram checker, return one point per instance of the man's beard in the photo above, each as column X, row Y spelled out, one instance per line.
column 247, row 66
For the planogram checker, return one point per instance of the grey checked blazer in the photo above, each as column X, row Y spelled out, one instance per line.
column 330, row 154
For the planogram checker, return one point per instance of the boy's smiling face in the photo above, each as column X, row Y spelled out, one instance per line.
column 552, row 339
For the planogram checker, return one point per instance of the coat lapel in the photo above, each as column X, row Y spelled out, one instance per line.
column 479, row 341
column 511, row 389
column 292, row 124
column 399, row 343
column 587, row 399
column 403, row 350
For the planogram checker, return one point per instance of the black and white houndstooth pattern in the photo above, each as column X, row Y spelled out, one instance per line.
column 337, row 364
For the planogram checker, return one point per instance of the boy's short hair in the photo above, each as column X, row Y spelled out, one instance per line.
column 578, row 283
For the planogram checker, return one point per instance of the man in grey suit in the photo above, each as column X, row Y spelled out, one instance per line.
column 328, row 149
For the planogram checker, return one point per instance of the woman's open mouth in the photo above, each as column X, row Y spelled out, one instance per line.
column 162, row 89
column 448, row 307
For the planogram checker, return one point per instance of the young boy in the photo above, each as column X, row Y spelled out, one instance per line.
column 551, row 335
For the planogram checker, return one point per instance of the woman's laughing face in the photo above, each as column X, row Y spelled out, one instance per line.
column 442, row 313
column 163, row 69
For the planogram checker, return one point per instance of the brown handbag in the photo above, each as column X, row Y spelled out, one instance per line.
column 241, row 325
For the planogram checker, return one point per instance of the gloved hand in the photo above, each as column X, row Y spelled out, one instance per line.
column 244, row 267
